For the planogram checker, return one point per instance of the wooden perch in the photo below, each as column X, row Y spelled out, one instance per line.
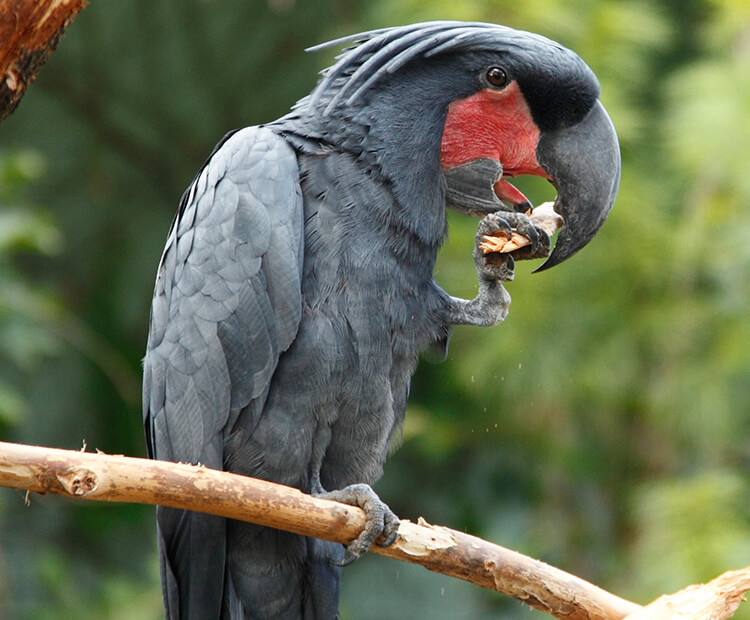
column 123, row 479
column 29, row 33
column 715, row 600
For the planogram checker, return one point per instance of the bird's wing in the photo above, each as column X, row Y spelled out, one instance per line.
column 226, row 304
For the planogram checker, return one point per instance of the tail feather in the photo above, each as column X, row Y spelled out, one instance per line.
column 192, row 560
column 324, row 576
column 275, row 574
column 215, row 568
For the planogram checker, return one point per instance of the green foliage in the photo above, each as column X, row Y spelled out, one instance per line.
column 67, row 596
column 696, row 525
column 602, row 427
column 22, row 229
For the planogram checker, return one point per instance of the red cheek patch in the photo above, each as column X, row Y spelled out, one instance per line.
column 494, row 125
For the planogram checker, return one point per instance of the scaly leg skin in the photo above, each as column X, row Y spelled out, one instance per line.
column 381, row 521
column 491, row 304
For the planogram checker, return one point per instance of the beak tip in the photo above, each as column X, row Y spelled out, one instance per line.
column 584, row 161
column 564, row 248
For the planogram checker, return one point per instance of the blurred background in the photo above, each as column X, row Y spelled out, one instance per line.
column 603, row 427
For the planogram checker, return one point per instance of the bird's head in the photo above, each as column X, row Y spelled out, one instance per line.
column 517, row 99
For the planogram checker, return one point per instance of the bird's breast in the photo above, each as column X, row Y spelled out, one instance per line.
column 364, row 318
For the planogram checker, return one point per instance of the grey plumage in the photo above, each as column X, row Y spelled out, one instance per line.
column 277, row 367
column 382, row 52
column 226, row 305
column 295, row 293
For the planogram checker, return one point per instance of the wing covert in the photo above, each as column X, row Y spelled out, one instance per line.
column 227, row 298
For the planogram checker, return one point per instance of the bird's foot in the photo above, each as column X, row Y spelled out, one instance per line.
column 498, row 265
column 493, row 266
column 381, row 521
column 526, row 226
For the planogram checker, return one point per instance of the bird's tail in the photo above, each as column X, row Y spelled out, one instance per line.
column 191, row 560
column 275, row 574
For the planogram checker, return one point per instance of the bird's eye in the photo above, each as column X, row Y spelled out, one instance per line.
column 497, row 77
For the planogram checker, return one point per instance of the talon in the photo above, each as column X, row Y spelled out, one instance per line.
column 349, row 558
column 390, row 540
column 523, row 226
column 494, row 225
column 532, row 235
column 380, row 520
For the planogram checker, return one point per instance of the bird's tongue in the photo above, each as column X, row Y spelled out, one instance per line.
column 510, row 194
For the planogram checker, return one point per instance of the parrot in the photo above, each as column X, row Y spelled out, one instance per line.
column 296, row 289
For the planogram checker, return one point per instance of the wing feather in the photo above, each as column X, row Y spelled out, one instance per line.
column 229, row 283
column 227, row 304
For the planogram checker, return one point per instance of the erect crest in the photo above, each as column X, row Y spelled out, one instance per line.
column 379, row 53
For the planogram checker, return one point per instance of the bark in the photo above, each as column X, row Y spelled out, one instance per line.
column 29, row 33
column 123, row 479
column 716, row 600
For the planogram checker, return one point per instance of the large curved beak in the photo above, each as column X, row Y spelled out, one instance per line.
column 583, row 162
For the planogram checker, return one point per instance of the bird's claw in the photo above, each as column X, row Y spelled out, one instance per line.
column 540, row 240
column 506, row 222
column 381, row 526
column 493, row 266
column 500, row 266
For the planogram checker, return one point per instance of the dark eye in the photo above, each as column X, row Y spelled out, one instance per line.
column 497, row 77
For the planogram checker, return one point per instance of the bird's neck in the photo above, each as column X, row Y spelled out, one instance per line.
column 395, row 142
column 402, row 141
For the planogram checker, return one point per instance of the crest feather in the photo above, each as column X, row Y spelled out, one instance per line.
column 376, row 54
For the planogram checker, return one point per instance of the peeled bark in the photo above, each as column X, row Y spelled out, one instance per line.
column 716, row 600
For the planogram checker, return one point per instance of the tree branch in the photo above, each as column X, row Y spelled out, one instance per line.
column 29, row 33
column 123, row 479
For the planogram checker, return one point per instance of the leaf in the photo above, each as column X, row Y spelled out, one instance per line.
column 23, row 229
column 13, row 405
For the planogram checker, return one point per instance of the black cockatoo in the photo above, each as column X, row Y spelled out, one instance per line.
column 296, row 288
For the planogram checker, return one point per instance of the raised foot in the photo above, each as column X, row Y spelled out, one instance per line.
column 381, row 521
column 500, row 266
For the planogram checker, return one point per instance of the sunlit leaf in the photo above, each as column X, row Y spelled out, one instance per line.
column 22, row 229
column 13, row 405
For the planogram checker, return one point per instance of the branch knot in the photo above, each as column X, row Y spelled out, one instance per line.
column 78, row 481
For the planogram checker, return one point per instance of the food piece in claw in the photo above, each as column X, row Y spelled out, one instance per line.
column 544, row 217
